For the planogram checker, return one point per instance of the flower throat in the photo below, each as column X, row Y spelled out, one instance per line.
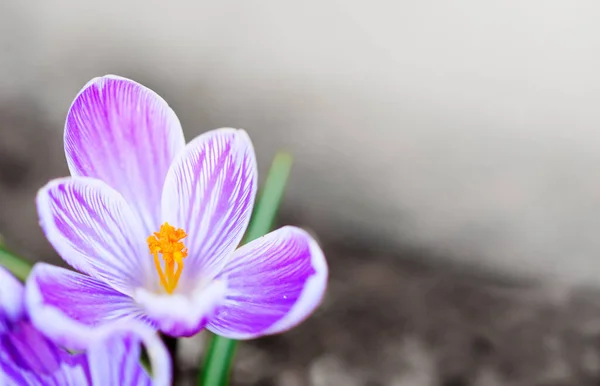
column 167, row 242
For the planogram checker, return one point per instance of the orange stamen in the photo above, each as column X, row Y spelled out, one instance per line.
column 167, row 241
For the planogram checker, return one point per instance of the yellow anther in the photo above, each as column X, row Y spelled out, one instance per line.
column 167, row 242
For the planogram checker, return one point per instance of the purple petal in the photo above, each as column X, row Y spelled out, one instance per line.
column 182, row 314
column 91, row 226
column 209, row 192
column 274, row 283
column 11, row 299
column 29, row 358
column 67, row 306
column 114, row 358
column 127, row 136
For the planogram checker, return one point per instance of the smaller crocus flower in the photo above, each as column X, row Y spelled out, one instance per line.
column 153, row 225
column 27, row 357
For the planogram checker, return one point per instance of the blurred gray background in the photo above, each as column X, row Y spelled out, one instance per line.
column 460, row 136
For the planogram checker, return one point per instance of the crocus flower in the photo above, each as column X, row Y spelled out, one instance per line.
column 153, row 225
column 27, row 357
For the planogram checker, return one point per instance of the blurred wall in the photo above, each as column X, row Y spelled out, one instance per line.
column 467, row 127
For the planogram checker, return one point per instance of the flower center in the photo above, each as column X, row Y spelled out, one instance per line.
column 167, row 242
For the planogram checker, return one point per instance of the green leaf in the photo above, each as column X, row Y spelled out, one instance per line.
column 15, row 264
column 221, row 351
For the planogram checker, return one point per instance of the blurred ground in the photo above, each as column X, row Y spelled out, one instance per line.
column 389, row 320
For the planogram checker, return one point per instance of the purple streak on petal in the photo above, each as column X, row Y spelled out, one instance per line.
column 68, row 306
column 69, row 374
column 29, row 349
column 29, row 358
column 274, row 283
column 117, row 362
column 209, row 192
column 182, row 314
column 127, row 136
column 91, row 226
column 26, row 356
column 114, row 357
column 11, row 300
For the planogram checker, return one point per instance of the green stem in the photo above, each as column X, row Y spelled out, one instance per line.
column 219, row 359
column 17, row 265
column 221, row 351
